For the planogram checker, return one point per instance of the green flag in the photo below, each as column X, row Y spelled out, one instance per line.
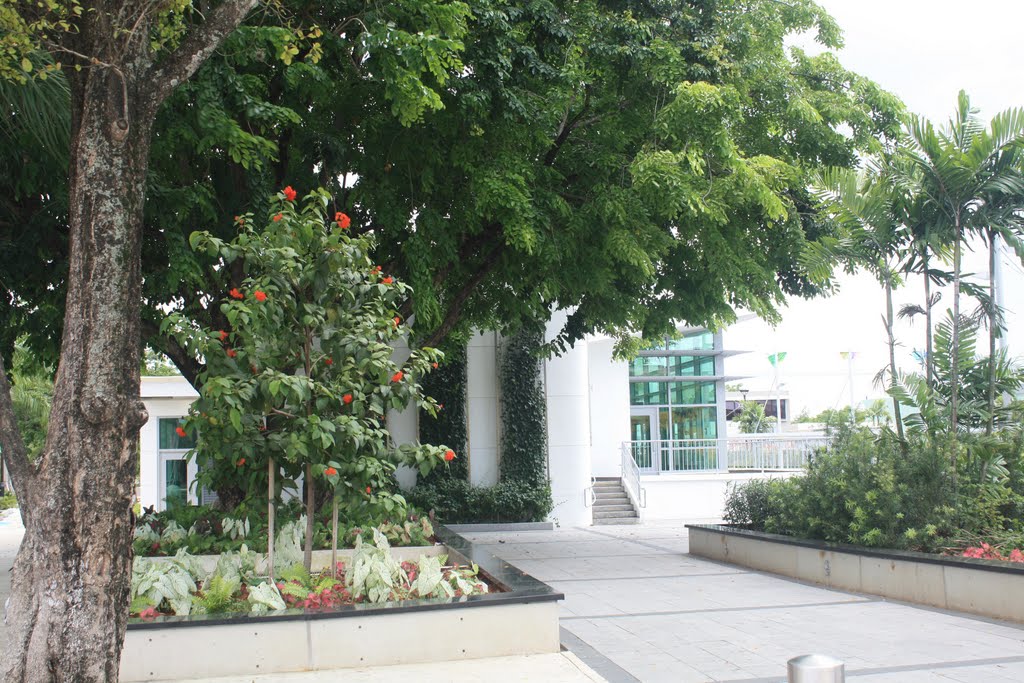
column 776, row 358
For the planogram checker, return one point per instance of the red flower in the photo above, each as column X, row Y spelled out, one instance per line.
column 388, row 280
column 235, row 294
column 149, row 613
column 449, row 455
column 397, row 320
column 369, row 490
column 289, row 193
column 434, row 365
column 328, row 361
column 342, row 220
column 232, row 353
column 260, row 296
column 346, row 399
column 239, row 220
column 277, row 217
column 241, row 461
column 263, row 427
column 180, row 432
column 397, row 377
column 376, row 269
column 330, row 471
column 223, row 335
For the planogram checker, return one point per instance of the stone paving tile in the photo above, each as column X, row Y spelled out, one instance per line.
column 660, row 614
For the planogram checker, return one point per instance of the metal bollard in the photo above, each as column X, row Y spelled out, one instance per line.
column 815, row 669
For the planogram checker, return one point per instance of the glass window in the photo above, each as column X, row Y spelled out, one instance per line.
column 170, row 440
column 694, row 423
column 692, row 366
column 175, row 484
column 649, row 366
column 702, row 341
column 689, row 393
column 648, row 393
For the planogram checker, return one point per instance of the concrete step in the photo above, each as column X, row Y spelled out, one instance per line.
column 601, row 485
column 610, row 495
column 616, row 521
column 615, row 498
column 613, row 514
column 613, row 507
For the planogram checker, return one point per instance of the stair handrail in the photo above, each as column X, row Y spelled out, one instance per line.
column 631, row 479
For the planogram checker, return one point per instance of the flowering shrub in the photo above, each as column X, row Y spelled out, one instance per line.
column 304, row 376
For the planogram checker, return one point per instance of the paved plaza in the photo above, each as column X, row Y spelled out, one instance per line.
column 638, row 608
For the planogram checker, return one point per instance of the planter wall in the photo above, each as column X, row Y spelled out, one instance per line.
column 983, row 587
column 521, row 619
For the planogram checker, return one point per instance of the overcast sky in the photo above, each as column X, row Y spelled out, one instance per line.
column 925, row 51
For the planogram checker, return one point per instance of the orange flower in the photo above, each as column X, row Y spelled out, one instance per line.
column 232, row 353
column 369, row 490
column 235, row 294
column 180, row 432
column 223, row 335
column 330, row 471
column 434, row 365
column 397, row 377
column 449, row 455
column 342, row 220
column 397, row 320
column 277, row 217
column 328, row 361
column 346, row 399
column 260, row 296
column 289, row 193
column 241, row 461
column 388, row 280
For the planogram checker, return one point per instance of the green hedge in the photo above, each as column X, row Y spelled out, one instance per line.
column 874, row 491
column 523, row 428
column 458, row 502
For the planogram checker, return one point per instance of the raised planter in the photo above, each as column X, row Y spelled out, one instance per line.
column 322, row 558
column 520, row 620
column 984, row 587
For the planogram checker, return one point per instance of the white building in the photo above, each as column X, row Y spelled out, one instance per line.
column 657, row 423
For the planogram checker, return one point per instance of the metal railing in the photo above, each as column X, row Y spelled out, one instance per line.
column 756, row 453
column 631, row 481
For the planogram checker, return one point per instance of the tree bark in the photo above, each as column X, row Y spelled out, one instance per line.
column 71, row 579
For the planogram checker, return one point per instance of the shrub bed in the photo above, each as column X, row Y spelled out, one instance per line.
column 876, row 491
column 458, row 502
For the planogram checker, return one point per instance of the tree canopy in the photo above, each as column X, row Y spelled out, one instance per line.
column 639, row 162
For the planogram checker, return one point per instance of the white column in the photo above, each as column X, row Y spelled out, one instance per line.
column 609, row 408
column 568, row 414
column 482, row 408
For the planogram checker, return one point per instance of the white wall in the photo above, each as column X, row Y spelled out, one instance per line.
column 609, row 408
column 164, row 397
column 483, row 424
column 693, row 496
column 568, row 413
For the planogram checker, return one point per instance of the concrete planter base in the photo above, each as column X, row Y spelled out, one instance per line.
column 521, row 618
column 983, row 587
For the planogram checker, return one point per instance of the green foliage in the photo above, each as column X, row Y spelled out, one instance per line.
column 752, row 419
column 447, row 386
column 166, row 584
column 375, row 574
column 751, row 505
column 305, row 374
column 458, row 502
column 8, row 501
column 218, row 595
column 31, row 396
column 523, row 425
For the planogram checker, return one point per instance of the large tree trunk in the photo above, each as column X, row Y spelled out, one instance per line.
column 71, row 579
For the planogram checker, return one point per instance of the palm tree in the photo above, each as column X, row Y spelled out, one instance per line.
column 971, row 182
column 869, row 212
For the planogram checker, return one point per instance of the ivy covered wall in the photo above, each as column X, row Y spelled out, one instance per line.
column 523, row 425
column 447, row 385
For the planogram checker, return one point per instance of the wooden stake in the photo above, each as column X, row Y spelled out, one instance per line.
column 334, row 537
column 270, row 518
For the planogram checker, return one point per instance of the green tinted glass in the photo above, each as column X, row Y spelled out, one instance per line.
column 176, row 482
column 689, row 393
column 648, row 393
column 702, row 341
column 169, row 437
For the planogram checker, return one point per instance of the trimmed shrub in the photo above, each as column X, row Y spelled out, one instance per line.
column 458, row 502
